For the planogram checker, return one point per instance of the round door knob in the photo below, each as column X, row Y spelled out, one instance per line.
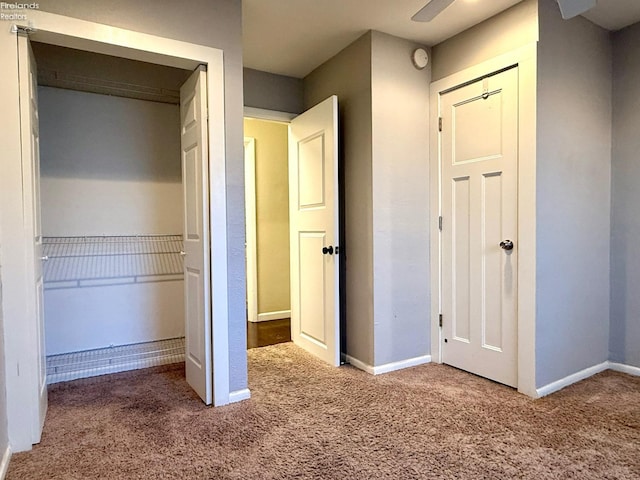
column 506, row 245
column 328, row 250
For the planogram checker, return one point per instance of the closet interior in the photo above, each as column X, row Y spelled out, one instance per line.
column 112, row 212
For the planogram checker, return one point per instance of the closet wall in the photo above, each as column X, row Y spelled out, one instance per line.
column 111, row 214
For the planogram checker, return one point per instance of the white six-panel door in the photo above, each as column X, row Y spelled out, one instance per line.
column 197, row 283
column 479, row 155
column 29, row 125
column 313, row 207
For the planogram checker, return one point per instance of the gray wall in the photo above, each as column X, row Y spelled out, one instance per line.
column 502, row 33
column 625, row 249
column 573, row 195
column 4, row 435
column 384, row 122
column 348, row 75
column 109, row 165
column 214, row 23
column 273, row 92
column 400, row 172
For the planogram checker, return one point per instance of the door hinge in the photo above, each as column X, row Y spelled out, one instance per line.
column 440, row 320
column 439, row 124
column 440, row 223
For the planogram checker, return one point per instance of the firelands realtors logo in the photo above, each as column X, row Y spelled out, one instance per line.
column 16, row 11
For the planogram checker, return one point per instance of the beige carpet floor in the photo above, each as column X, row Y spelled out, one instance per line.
column 310, row 421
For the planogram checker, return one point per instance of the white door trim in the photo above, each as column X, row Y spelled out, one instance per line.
column 272, row 115
column 251, row 219
column 20, row 349
column 525, row 58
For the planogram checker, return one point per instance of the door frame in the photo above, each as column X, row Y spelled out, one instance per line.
column 251, row 226
column 20, row 346
column 525, row 59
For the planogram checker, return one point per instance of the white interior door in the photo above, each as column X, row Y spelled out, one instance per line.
column 313, row 208
column 197, row 283
column 479, row 155
column 29, row 127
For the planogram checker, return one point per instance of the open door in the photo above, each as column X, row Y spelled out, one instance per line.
column 197, row 283
column 29, row 127
column 314, row 227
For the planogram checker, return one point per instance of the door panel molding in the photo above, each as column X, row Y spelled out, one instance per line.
column 525, row 59
column 315, row 231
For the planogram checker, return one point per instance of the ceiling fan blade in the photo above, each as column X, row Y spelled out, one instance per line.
column 431, row 10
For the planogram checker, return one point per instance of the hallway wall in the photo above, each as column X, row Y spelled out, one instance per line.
column 624, row 345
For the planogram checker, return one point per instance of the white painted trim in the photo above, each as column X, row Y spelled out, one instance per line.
column 571, row 379
column 267, row 316
column 525, row 58
column 360, row 365
column 251, row 225
column 239, row 395
column 22, row 352
column 272, row 115
column 388, row 367
column 628, row 369
column 4, row 465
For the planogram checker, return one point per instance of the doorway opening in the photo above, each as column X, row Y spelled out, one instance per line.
column 313, row 254
column 267, row 227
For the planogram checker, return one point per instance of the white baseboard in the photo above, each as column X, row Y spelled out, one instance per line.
column 571, row 379
column 621, row 367
column 267, row 316
column 354, row 362
column 389, row 367
column 239, row 395
column 4, row 465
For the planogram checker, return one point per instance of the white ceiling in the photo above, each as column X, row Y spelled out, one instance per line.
column 292, row 37
column 614, row 14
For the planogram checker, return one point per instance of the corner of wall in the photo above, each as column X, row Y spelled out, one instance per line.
column 573, row 172
column 400, row 196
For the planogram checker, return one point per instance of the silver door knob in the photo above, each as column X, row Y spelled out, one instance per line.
column 183, row 253
column 44, row 258
column 506, row 245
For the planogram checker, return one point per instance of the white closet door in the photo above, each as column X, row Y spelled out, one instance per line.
column 29, row 127
column 197, row 279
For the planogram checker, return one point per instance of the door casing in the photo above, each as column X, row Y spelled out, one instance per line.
column 525, row 59
column 20, row 344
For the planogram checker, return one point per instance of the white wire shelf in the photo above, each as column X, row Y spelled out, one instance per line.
column 90, row 261
column 91, row 363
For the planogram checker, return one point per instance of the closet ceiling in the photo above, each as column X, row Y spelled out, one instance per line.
column 292, row 37
column 92, row 72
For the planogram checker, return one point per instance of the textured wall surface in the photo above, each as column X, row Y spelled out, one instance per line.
column 272, row 212
column 110, row 165
column 273, row 92
column 400, row 119
column 625, row 221
column 502, row 33
column 573, row 195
